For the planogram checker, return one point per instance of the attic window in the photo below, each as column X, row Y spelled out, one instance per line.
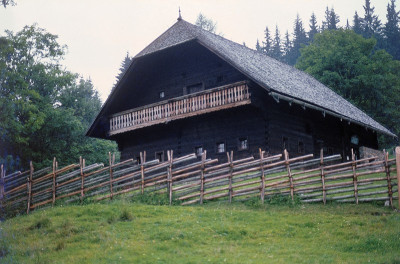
column 162, row 94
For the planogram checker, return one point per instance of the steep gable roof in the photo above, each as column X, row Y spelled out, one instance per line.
column 281, row 80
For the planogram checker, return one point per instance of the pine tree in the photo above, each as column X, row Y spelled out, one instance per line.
column 124, row 66
column 299, row 39
column 276, row 51
column 347, row 25
column 313, row 27
column 357, row 21
column 331, row 20
column 334, row 20
column 287, row 47
column 371, row 25
column 392, row 31
column 267, row 44
column 258, row 46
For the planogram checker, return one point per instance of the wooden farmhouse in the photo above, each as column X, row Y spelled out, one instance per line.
column 191, row 90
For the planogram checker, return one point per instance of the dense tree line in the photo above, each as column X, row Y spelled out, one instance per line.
column 45, row 110
column 369, row 26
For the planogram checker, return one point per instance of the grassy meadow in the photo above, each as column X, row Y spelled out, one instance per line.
column 126, row 231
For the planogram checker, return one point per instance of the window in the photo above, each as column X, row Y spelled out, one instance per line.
column 199, row 151
column 301, row 147
column 198, row 87
column 285, row 143
column 160, row 156
column 162, row 94
column 220, row 78
column 243, row 144
column 138, row 159
column 220, row 147
column 354, row 140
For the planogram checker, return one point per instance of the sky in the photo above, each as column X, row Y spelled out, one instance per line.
column 99, row 33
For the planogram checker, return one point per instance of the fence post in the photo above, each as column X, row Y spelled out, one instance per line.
column 169, row 181
column 230, row 160
column 203, row 158
column 389, row 184
column 142, row 161
column 286, row 154
column 1, row 183
column 262, row 194
column 111, row 174
column 321, row 165
column 54, row 181
column 82, row 165
column 29, row 185
column 398, row 173
column 353, row 165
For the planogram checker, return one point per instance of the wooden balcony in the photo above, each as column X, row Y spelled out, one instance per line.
column 206, row 101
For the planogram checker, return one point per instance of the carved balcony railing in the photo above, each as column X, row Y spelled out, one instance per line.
column 206, row 101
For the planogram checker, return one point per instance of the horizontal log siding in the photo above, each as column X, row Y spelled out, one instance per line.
column 182, row 136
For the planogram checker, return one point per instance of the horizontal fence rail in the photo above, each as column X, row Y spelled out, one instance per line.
column 193, row 180
column 198, row 103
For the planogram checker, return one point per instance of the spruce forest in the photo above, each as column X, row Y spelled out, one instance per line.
column 45, row 109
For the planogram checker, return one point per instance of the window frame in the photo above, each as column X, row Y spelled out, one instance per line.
column 217, row 149
column 240, row 140
column 162, row 155
column 303, row 150
column 196, row 150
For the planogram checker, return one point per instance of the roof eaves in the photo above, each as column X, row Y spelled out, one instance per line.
column 330, row 112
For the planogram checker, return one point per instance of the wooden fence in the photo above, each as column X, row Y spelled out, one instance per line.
column 194, row 180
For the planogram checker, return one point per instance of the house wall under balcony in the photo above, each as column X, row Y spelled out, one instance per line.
column 228, row 127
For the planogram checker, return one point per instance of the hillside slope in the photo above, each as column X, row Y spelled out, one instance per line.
column 126, row 232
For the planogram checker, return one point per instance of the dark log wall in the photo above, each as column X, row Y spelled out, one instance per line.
column 183, row 136
column 265, row 124
column 304, row 130
column 172, row 72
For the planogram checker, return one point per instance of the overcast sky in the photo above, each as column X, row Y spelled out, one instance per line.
column 98, row 33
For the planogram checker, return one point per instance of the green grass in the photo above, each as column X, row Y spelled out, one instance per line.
column 123, row 231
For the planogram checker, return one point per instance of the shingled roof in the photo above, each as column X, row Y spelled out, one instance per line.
column 279, row 79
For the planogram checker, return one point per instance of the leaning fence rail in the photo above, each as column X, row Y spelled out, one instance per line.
column 194, row 180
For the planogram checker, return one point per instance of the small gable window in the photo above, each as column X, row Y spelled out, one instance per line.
column 198, row 87
column 162, row 94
